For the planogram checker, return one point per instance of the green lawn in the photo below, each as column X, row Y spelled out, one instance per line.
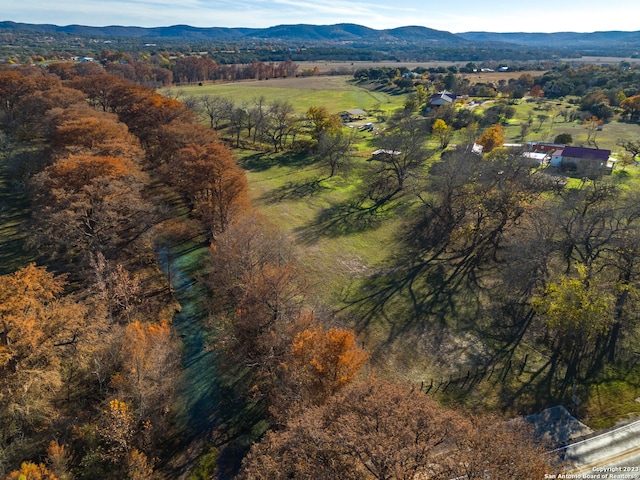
column 338, row 243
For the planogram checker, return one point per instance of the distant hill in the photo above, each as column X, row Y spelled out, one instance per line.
column 345, row 34
column 299, row 33
column 175, row 31
column 559, row 39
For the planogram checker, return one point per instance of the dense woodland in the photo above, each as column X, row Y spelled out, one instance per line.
column 113, row 171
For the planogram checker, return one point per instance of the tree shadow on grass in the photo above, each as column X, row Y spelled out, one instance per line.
column 342, row 219
column 261, row 161
column 295, row 191
column 258, row 162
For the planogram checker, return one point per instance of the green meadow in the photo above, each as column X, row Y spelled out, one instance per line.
column 335, row 93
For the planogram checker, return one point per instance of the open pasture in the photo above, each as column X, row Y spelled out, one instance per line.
column 333, row 92
column 496, row 77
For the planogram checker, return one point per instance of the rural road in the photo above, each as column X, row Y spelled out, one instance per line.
column 613, row 455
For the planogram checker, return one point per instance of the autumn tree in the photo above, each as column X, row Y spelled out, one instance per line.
column 491, row 445
column 146, row 112
column 33, row 113
column 214, row 184
column 536, row 91
column 491, row 138
column 324, row 361
column 443, row 131
column 631, row 107
column 32, row 471
column 177, row 135
column 150, row 359
column 118, row 289
column 192, row 69
column 381, row 430
column 103, row 91
column 142, row 109
column 578, row 320
column 13, row 87
column 107, row 212
column 257, row 293
column 322, row 122
column 39, row 331
column 82, row 131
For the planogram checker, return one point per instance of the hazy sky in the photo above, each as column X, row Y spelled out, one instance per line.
column 453, row 15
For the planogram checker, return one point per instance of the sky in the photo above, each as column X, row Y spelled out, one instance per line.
column 453, row 15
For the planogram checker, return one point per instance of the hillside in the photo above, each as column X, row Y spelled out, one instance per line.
column 295, row 33
column 344, row 32
column 558, row 39
column 303, row 42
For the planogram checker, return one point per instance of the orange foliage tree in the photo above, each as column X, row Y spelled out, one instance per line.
column 77, row 171
column 214, row 184
column 383, row 430
column 85, row 131
column 631, row 107
column 39, row 330
column 32, row 471
column 13, row 87
column 150, row 359
column 256, row 299
column 492, row 138
column 324, row 361
column 87, row 204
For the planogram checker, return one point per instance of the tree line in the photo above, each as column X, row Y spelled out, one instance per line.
column 89, row 359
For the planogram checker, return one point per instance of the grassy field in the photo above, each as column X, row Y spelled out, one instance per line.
column 334, row 92
column 297, row 195
column 314, row 209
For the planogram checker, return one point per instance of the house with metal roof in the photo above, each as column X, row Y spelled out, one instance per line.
column 581, row 159
column 442, row 98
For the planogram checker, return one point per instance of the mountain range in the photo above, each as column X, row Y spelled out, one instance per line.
column 339, row 33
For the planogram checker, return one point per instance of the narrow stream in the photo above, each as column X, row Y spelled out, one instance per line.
column 197, row 392
column 207, row 408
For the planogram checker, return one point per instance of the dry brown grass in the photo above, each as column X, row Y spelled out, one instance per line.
column 495, row 77
column 337, row 82
column 350, row 67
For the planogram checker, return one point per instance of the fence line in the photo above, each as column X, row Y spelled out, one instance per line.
column 472, row 377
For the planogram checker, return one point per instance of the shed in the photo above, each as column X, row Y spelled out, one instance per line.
column 351, row 115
